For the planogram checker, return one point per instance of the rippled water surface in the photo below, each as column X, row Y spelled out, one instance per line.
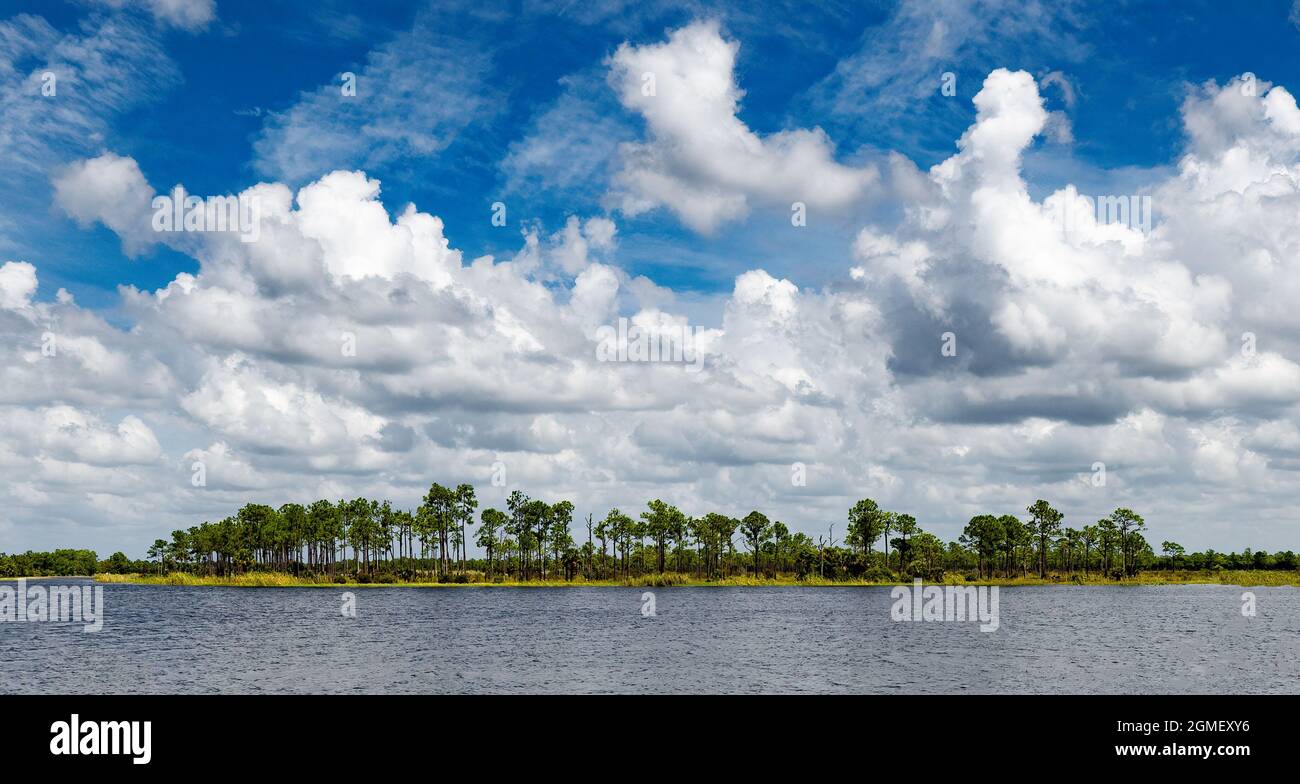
column 485, row 640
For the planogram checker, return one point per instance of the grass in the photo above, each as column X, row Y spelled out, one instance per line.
column 1244, row 578
column 249, row 580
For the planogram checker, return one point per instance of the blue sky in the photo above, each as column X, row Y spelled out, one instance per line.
column 1129, row 65
column 927, row 215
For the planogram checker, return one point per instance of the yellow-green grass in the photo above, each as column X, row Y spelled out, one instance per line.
column 1245, row 578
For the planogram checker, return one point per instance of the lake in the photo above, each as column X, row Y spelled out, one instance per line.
column 1051, row 639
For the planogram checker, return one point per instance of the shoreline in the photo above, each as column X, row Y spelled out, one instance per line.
column 1239, row 578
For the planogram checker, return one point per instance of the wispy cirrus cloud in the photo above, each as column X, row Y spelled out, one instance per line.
column 60, row 93
column 414, row 96
column 191, row 15
column 568, row 149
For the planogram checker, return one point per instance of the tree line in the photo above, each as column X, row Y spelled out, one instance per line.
column 49, row 564
column 534, row 540
column 1113, row 545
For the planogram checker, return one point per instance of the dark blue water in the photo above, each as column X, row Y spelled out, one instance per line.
column 1052, row 639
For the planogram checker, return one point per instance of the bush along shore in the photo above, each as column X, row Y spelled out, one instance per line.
column 532, row 542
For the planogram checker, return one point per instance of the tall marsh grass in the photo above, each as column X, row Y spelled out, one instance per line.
column 1241, row 577
column 247, row 580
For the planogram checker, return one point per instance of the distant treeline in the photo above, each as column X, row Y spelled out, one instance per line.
column 66, row 563
column 532, row 539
